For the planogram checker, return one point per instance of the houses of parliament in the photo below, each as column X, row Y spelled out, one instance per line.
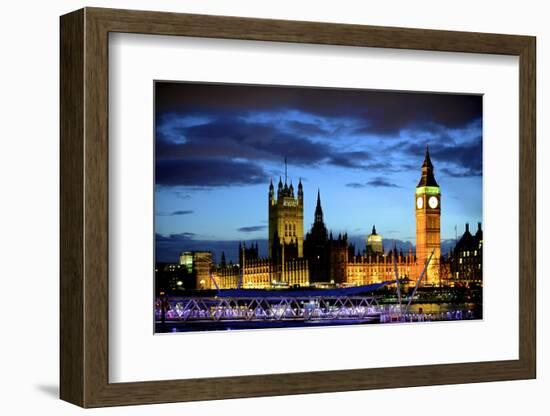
column 319, row 258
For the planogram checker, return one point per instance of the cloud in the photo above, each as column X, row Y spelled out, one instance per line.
column 355, row 185
column 460, row 173
column 376, row 111
column 175, row 213
column 456, row 159
column 232, row 151
column 467, row 159
column 381, row 183
column 174, row 237
column 355, row 160
column 376, row 182
column 252, row 228
column 210, row 135
column 207, row 173
column 306, row 128
column 232, row 137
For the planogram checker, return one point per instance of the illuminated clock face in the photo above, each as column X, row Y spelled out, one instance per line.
column 419, row 202
column 433, row 202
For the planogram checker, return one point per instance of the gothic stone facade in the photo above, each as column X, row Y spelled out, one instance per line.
column 318, row 257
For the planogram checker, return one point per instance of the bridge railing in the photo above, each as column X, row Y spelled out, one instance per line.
column 267, row 308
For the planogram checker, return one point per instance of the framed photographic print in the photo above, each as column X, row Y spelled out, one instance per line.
column 215, row 270
column 256, row 207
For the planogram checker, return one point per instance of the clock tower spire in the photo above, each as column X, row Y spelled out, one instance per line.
column 428, row 222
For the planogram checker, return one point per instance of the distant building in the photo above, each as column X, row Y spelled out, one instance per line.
column 374, row 268
column 249, row 253
column 374, row 242
column 334, row 260
column 285, row 265
column 254, row 272
column 202, row 264
column 186, row 260
column 315, row 247
column 323, row 260
column 466, row 259
column 198, row 265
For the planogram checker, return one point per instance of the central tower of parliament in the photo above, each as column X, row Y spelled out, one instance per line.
column 286, row 221
column 323, row 259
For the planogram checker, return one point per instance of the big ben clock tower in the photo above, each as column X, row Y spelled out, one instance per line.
column 427, row 201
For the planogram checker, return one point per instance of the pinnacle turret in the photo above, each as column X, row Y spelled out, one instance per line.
column 318, row 209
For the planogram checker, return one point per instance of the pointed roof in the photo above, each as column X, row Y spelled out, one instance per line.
column 466, row 241
column 427, row 161
column 427, row 178
column 318, row 209
column 479, row 233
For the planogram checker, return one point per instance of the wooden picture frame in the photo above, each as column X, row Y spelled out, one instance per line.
column 84, row 207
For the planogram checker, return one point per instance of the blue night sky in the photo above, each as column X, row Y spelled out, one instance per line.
column 217, row 147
